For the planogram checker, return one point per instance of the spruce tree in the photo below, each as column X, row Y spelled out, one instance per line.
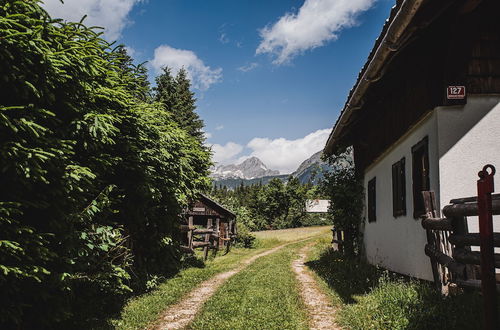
column 165, row 90
column 175, row 94
column 185, row 108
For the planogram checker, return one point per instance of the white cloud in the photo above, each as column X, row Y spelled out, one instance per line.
column 278, row 154
column 226, row 153
column 219, row 127
column 110, row 14
column 223, row 38
column 286, row 155
column 130, row 51
column 207, row 135
column 201, row 75
column 317, row 22
column 248, row 67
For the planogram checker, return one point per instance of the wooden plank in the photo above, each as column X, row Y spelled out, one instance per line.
column 471, row 199
column 437, row 224
column 200, row 244
column 186, row 228
column 433, row 246
column 468, row 209
column 207, row 240
column 200, row 231
column 445, row 260
column 471, row 239
column 190, row 233
column 472, row 257
column 475, row 284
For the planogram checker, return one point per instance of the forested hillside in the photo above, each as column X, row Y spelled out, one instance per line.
column 275, row 205
column 95, row 167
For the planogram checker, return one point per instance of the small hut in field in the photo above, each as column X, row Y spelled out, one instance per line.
column 209, row 225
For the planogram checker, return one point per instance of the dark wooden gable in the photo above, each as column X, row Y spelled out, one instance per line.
column 455, row 47
column 204, row 206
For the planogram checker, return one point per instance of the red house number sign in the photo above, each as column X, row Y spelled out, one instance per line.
column 455, row 93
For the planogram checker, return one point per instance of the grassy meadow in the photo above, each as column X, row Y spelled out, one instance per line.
column 141, row 311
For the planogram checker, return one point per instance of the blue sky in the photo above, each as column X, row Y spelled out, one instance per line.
column 271, row 76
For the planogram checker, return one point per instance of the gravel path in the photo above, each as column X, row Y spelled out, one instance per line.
column 181, row 314
column 319, row 306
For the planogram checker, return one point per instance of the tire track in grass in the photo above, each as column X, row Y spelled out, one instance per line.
column 319, row 307
column 263, row 296
column 181, row 314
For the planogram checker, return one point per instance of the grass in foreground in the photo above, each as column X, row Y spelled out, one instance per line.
column 145, row 309
column 370, row 298
column 262, row 296
column 142, row 310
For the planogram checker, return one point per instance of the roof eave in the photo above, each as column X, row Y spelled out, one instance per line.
column 373, row 72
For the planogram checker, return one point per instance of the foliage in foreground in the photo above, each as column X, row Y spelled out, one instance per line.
column 375, row 299
column 93, row 174
column 344, row 188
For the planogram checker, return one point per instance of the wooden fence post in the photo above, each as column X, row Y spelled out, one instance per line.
column 190, row 232
column 485, row 186
column 207, row 240
column 217, row 236
column 431, row 211
column 228, row 236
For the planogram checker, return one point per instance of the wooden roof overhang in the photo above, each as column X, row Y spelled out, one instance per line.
column 424, row 46
column 203, row 206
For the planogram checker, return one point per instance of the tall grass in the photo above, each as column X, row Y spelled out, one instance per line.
column 370, row 298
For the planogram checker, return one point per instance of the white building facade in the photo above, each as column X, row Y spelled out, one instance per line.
column 461, row 140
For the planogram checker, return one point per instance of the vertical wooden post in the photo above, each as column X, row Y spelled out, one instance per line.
column 228, row 236
column 217, row 233
column 207, row 240
column 431, row 211
column 485, row 187
column 190, row 232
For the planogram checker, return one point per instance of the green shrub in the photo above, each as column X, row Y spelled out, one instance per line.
column 93, row 175
column 244, row 238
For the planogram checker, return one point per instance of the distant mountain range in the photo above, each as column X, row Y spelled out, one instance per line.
column 253, row 171
column 251, row 168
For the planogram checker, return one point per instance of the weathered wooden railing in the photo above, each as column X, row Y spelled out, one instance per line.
column 338, row 239
column 449, row 243
column 210, row 238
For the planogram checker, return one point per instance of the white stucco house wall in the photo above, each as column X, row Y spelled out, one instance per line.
column 400, row 103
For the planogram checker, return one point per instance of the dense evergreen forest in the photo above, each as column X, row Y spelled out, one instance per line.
column 95, row 167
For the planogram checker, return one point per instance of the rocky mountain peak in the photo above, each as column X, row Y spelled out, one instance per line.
column 250, row 168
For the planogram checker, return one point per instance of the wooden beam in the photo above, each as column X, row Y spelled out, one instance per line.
column 469, row 209
column 475, row 284
column 186, row 228
column 471, row 199
column 472, row 257
column 445, row 260
column 190, row 233
column 200, row 244
column 207, row 240
column 437, row 224
column 200, row 231
column 472, row 239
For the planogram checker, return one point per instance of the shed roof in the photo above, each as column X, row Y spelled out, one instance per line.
column 213, row 205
